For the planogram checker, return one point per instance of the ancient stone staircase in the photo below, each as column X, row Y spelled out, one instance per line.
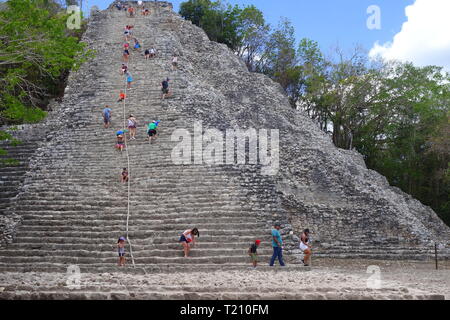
column 74, row 207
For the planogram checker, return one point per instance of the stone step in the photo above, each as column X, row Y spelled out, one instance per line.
column 93, row 220
column 138, row 252
column 143, row 245
column 101, row 233
column 26, row 228
column 112, row 238
column 80, row 260
column 144, row 269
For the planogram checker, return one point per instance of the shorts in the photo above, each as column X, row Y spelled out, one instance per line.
column 165, row 91
column 152, row 133
column 175, row 64
column 254, row 257
column 303, row 247
column 121, row 253
column 120, row 145
column 106, row 120
column 132, row 127
column 183, row 239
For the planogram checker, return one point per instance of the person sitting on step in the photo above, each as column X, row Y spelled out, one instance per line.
column 124, row 175
column 187, row 239
column 306, row 247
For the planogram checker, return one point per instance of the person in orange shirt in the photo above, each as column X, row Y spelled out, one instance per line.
column 122, row 96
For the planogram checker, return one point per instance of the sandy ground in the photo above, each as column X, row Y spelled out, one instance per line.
column 328, row 279
column 410, row 274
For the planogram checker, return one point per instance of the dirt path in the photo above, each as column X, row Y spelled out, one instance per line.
column 329, row 279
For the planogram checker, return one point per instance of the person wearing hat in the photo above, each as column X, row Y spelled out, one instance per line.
column 252, row 252
column 165, row 88
column 121, row 249
column 277, row 244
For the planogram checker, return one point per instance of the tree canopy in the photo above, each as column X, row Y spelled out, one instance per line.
column 36, row 54
column 396, row 114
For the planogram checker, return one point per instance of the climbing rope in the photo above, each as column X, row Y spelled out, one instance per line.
column 129, row 169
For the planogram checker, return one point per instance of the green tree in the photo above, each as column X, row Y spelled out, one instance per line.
column 36, row 54
column 252, row 36
column 279, row 59
column 195, row 10
column 218, row 20
column 408, row 134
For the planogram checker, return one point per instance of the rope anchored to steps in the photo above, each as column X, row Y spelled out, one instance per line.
column 129, row 170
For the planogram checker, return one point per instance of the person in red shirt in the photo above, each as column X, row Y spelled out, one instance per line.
column 122, row 96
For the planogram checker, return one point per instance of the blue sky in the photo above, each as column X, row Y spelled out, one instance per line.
column 329, row 22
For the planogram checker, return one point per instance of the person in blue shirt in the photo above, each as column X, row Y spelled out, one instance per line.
column 277, row 244
column 129, row 79
column 137, row 45
column 107, row 116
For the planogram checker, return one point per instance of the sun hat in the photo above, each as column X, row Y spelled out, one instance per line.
column 258, row 242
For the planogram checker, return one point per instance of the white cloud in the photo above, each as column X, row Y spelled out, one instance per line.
column 424, row 39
